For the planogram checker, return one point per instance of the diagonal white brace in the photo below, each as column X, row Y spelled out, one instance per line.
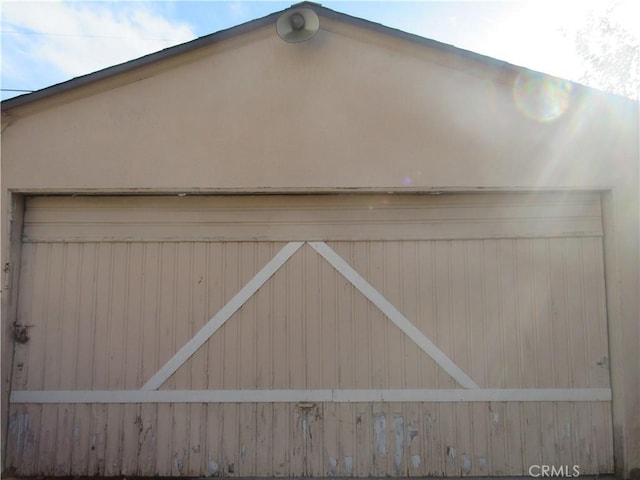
column 222, row 316
column 393, row 314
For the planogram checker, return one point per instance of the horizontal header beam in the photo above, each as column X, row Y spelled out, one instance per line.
column 331, row 396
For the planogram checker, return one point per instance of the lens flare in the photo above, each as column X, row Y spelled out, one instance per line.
column 407, row 181
column 540, row 97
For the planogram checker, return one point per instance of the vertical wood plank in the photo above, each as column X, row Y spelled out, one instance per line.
column 246, row 321
column 214, row 457
column 281, row 440
column 31, row 276
column 322, row 415
column 395, row 337
column 265, row 351
column 196, row 415
column 280, row 436
column 165, row 349
column 54, row 315
column 230, row 439
column 409, row 287
column 317, row 418
column 67, row 345
column 24, row 420
column 17, row 429
column 116, row 354
column 247, row 440
column 329, row 446
column 215, row 297
column 299, row 425
column 47, row 439
column 84, row 357
column 332, row 316
column 102, row 288
column 264, row 328
column 312, row 320
column 132, row 424
column 378, row 324
column 413, row 440
column 365, row 442
column 515, row 445
column 148, row 356
column 347, row 312
column 427, row 310
column 183, row 331
column 380, row 439
column 264, row 445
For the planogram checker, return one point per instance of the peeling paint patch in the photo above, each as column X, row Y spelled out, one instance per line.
column 380, row 433
column 18, row 424
column 482, row 463
column 428, row 425
column 178, row 462
column 212, row 469
column 398, row 422
column 333, row 465
column 495, row 416
column 451, row 453
column 465, row 464
column 412, row 430
column 415, row 461
column 305, row 425
column 348, row 465
column 243, row 453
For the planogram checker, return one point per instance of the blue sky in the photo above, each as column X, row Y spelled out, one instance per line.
column 47, row 42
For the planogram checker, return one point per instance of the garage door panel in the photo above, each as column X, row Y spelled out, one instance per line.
column 375, row 346
column 371, row 351
column 509, row 287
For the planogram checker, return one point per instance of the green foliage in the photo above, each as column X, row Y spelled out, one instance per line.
column 610, row 52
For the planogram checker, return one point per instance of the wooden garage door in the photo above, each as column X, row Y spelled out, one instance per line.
column 403, row 335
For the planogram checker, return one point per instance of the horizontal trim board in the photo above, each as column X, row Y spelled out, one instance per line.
column 332, row 396
column 299, row 191
column 311, row 217
column 297, row 236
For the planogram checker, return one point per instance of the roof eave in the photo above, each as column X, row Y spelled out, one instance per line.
column 241, row 29
column 136, row 63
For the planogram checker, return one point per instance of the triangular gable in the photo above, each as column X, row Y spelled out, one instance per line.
column 214, row 38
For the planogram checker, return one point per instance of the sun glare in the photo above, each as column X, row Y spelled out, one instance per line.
column 541, row 97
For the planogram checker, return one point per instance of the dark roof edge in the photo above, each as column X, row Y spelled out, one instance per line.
column 145, row 60
column 253, row 25
column 445, row 47
column 412, row 37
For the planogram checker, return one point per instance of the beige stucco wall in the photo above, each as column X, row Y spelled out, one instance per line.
column 351, row 109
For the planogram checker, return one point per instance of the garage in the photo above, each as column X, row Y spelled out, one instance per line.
column 365, row 254
column 312, row 335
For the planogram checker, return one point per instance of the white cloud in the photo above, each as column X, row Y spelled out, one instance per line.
column 69, row 39
column 238, row 10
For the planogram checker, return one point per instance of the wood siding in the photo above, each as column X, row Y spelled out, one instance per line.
column 519, row 310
